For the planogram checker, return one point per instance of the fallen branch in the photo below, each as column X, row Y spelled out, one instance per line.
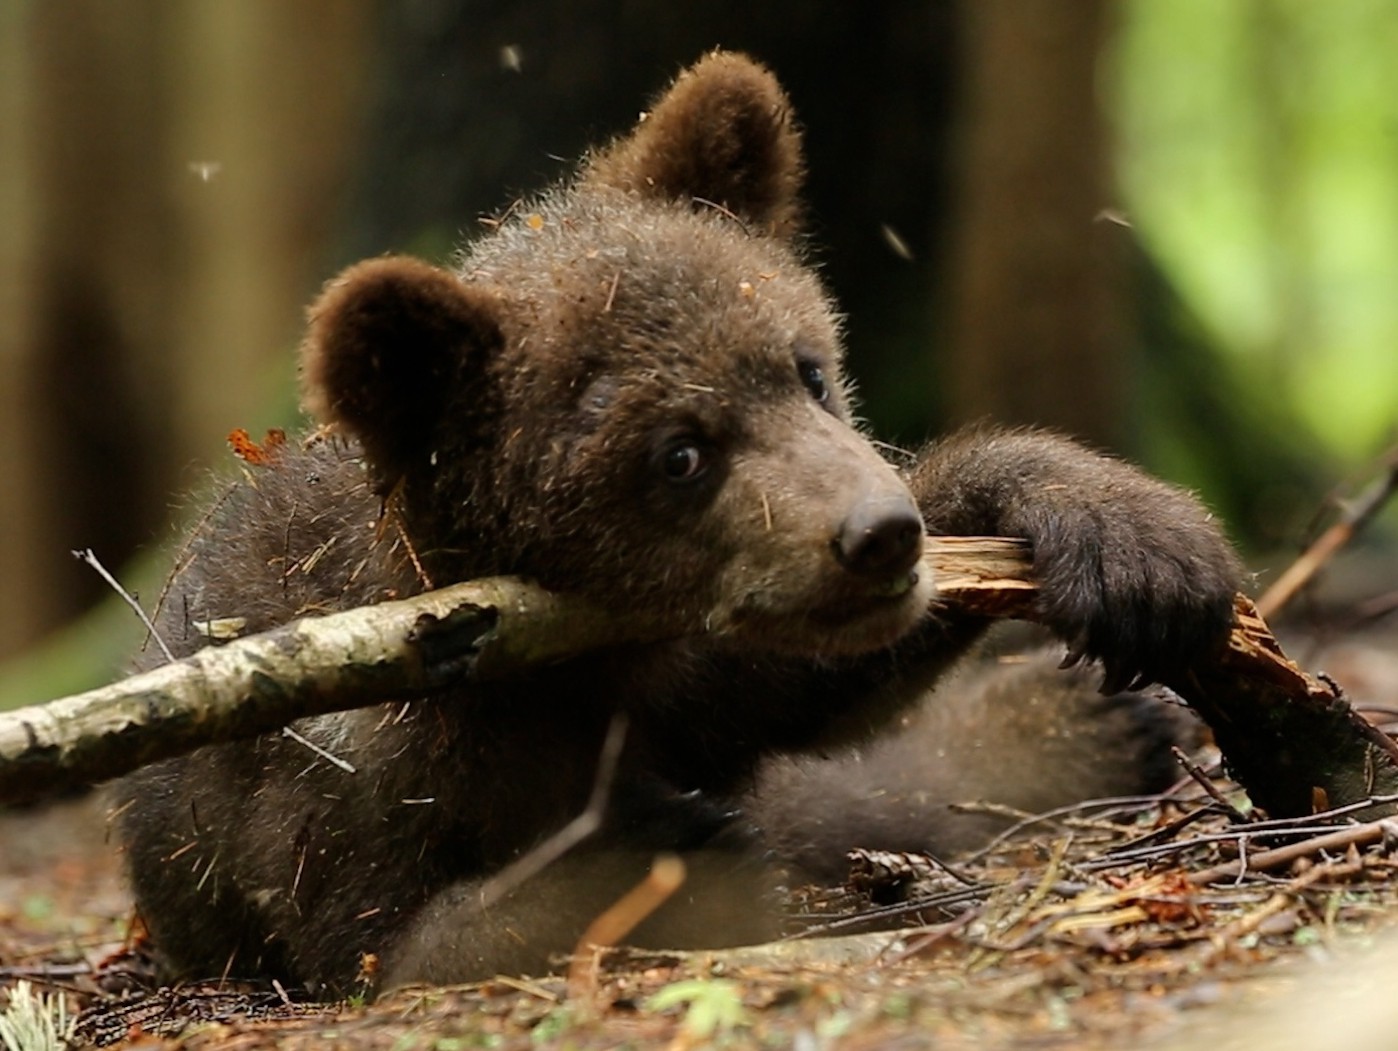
column 1291, row 740
column 255, row 685
column 1267, row 860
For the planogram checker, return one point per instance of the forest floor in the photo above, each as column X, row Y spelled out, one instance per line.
column 1107, row 926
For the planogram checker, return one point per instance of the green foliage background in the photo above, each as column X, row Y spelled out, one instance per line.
column 1258, row 157
column 1257, row 152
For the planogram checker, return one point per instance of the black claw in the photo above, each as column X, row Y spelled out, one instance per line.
column 1077, row 653
column 1116, row 680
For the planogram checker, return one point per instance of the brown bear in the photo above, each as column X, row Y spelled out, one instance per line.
column 631, row 389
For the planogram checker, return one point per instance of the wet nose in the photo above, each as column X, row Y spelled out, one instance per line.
column 881, row 536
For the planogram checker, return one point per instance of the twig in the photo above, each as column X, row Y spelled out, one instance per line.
column 1031, row 820
column 47, row 972
column 1370, row 610
column 1292, row 824
column 1023, row 910
column 954, row 872
column 1168, row 831
column 1227, row 938
column 1148, row 846
column 493, row 221
column 1355, row 835
column 571, row 834
column 1205, row 782
column 329, row 757
column 184, row 557
column 884, row 915
column 86, row 555
column 917, row 941
column 725, row 212
column 526, row 986
column 1241, row 836
column 1354, row 516
column 666, row 876
column 393, row 515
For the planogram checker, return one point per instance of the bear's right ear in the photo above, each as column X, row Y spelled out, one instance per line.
column 393, row 343
column 722, row 135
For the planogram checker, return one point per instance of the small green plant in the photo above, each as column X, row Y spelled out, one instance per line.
column 715, row 1005
column 33, row 1021
column 553, row 1026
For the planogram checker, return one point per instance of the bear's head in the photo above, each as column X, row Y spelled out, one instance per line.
column 631, row 388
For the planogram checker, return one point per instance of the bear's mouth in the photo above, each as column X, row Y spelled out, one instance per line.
column 847, row 619
column 898, row 587
column 873, row 600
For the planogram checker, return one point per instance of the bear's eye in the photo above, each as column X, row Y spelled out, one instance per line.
column 813, row 376
column 683, row 460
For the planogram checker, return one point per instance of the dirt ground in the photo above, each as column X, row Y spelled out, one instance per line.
column 1108, row 926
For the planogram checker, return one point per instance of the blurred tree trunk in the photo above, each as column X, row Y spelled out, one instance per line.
column 97, row 264
column 1033, row 309
column 19, row 519
column 170, row 172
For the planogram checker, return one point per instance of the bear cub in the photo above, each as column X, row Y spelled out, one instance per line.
column 631, row 389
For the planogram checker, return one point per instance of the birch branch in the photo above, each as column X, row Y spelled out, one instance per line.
column 255, row 685
column 1293, row 742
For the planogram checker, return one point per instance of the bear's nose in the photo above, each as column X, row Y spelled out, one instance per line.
column 881, row 536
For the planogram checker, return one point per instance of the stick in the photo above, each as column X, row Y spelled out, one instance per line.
column 570, row 835
column 86, row 555
column 666, row 876
column 1288, row 737
column 1350, row 836
column 1354, row 516
column 395, row 650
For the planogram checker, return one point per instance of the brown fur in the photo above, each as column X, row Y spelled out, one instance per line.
column 627, row 393
column 725, row 128
column 1022, row 734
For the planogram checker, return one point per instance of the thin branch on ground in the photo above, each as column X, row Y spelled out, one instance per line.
column 1204, row 781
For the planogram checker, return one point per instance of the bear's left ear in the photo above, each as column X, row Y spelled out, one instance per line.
column 393, row 345
column 722, row 134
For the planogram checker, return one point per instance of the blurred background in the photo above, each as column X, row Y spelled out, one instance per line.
column 1169, row 227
